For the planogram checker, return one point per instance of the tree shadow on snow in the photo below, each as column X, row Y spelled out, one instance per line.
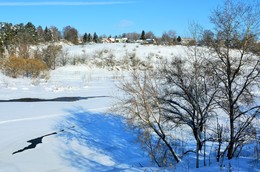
column 100, row 142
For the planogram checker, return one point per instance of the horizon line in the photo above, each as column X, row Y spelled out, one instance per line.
column 64, row 3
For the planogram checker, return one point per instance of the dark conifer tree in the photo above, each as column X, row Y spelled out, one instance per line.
column 47, row 35
column 95, row 37
column 143, row 35
column 85, row 38
column 179, row 39
column 30, row 33
column 90, row 38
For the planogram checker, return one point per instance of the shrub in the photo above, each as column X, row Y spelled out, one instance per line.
column 15, row 67
column 192, row 43
column 34, row 67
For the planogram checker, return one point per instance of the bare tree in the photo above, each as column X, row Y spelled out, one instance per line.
column 196, row 31
column 143, row 110
column 56, row 34
column 189, row 95
column 237, row 70
column 149, row 35
column 50, row 54
column 131, row 36
column 207, row 38
column 189, row 90
column 169, row 37
column 70, row 34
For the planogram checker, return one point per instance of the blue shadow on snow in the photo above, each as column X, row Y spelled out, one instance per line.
column 110, row 146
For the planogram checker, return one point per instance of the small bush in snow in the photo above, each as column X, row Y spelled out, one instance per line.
column 98, row 54
column 105, row 51
column 63, row 59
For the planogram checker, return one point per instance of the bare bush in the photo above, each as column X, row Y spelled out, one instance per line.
column 63, row 59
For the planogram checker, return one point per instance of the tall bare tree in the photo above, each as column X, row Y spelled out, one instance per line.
column 189, row 96
column 141, row 106
column 189, row 90
column 236, row 68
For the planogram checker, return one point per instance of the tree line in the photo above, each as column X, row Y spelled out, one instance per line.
column 16, row 41
column 13, row 35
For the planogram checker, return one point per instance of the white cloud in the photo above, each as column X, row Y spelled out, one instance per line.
column 125, row 24
column 64, row 3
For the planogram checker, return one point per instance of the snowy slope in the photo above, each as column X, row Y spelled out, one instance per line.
column 79, row 135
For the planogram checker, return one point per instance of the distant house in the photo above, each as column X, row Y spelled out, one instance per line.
column 187, row 41
column 139, row 41
column 114, row 40
column 147, row 41
column 150, row 41
column 108, row 40
column 121, row 40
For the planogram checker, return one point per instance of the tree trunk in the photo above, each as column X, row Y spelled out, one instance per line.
column 232, row 139
column 171, row 150
column 219, row 153
column 231, row 144
column 196, row 133
column 197, row 155
column 205, row 148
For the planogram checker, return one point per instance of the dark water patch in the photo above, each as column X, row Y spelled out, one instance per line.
column 36, row 141
column 58, row 99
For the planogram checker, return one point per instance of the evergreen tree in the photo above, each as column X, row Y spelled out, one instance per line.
column 95, row 37
column 143, row 35
column 31, row 33
column 179, row 39
column 89, row 38
column 85, row 38
column 8, row 37
column 47, row 35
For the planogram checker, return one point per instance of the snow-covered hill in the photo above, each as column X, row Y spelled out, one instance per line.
column 78, row 135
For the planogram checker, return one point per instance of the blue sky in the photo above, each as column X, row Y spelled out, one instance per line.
column 111, row 17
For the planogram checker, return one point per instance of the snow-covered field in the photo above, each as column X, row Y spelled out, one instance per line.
column 78, row 135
